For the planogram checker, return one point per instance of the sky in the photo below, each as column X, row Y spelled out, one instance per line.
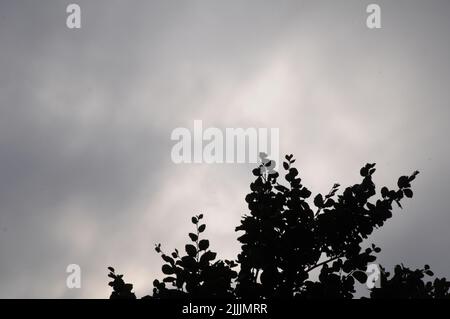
column 86, row 115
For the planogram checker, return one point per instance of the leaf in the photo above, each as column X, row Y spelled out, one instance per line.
column 293, row 171
column 193, row 236
column 169, row 279
column 285, row 165
column 413, row 176
column 167, row 259
column 191, row 250
column 201, row 228
column 408, row 192
column 305, row 193
column 384, row 191
column 188, row 262
column 203, row 244
column 256, row 172
column 403, row 182
column 207, row 256
column 318, row 200
column 204, row 259
column 329, row 203
column 364, row 171
column 167, row 270
column 289, row 177
column 194, row 220
column 360, row 276
column 111, row 269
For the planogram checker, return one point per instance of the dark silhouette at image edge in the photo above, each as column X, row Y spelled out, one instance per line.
column 284, row 239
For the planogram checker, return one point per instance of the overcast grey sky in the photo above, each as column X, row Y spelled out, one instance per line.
column 86, row 116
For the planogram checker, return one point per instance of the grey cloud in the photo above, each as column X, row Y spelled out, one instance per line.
column 86, row 116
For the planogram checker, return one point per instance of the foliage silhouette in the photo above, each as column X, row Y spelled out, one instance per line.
column 197, row 273
column 406, row 283
column 121, row 290
column 284, row 239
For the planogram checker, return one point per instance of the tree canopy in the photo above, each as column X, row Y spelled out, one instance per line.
column 285, row 236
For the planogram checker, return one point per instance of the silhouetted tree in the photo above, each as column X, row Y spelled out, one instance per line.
column 197, row 273
column 121, row 290
column 406, row 284
column 285, row 238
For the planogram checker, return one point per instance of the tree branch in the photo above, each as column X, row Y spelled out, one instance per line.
column 323, row 263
